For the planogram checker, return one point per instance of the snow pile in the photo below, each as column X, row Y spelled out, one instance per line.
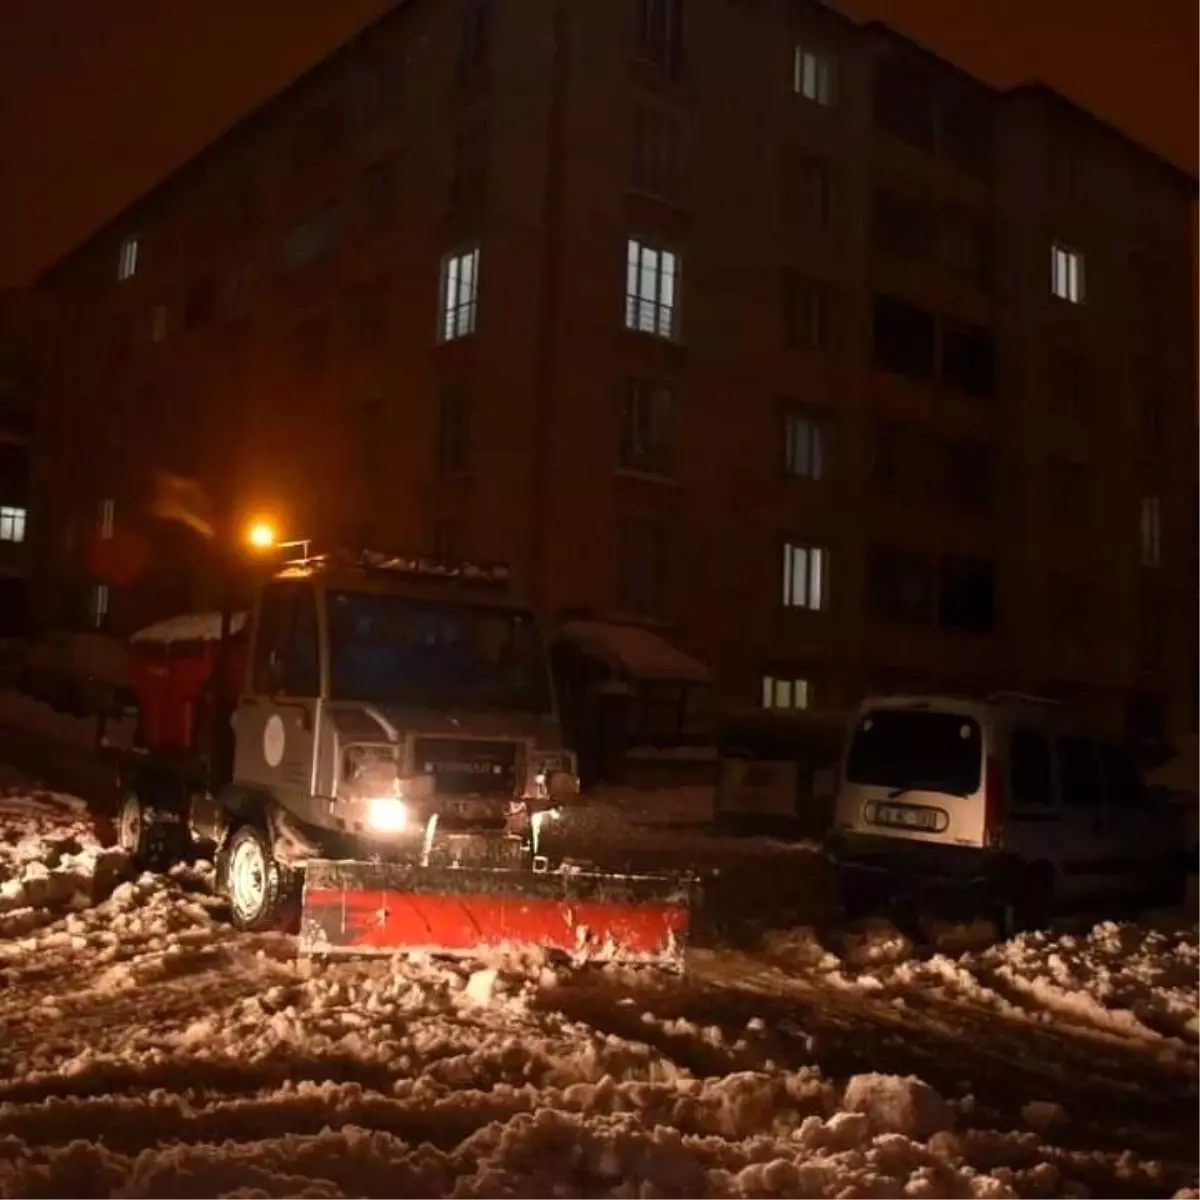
column 197, row 1061
column 599, row 830
column 50, row 860
column 23, row 712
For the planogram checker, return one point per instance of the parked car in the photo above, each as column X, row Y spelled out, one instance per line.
column 1009, row 798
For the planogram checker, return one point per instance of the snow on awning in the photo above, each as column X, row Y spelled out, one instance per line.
column 1179, row 773
column 190, row 627
column 636, row 652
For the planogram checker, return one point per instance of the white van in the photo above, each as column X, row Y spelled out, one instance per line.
column 1007, row 797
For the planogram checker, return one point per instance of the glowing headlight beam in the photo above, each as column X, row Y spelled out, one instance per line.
column 386, row 814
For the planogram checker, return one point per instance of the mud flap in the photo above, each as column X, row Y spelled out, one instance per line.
column 385, row 908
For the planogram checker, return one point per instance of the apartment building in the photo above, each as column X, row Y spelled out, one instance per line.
column 772, row 333
column 23, row 325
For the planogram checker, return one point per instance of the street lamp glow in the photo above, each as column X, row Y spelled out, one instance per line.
column 261, row 535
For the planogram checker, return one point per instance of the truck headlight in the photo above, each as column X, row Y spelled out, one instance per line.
column 387, row 814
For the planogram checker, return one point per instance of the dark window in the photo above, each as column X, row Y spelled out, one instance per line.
column 379, row 192
column 1070, row 613
column 1122, row 780
column 1150, row 395
column 1068, row 384
column 966, row 594
column 200, row 301
column 320, row 132
column 967, row 248
column 286, row 654
column 1031, row 769
column 903, row 338
column 900, row 461
column 454, row 431
column 475, row 47
column 902, row 224
column 967, row 131
column 368, row 313
column 1078, row 772
column 803, row 445
column 311, row 239
column 642, row 568
column 904, row 100
column 647, row 420
column 1152, row 629
column 312, row 344
column 900, row 585
column 468, row 178
column 807, row 313
column 809, row 198
column 969, row 358
column 1068, row 486
column 970, row 475
column 902, row 748
column 659, row 34
column 656, row 138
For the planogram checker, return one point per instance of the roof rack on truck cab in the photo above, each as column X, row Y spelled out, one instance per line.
column 1007, row 697
column 428, row 567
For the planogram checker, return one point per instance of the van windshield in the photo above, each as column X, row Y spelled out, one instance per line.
column 905, row 748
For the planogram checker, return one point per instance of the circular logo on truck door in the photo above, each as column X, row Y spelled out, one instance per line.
column 274, row 740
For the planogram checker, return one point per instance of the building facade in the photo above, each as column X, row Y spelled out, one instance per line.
column 24, row 322
column 766, row 330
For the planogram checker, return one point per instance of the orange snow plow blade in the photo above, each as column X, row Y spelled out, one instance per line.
column 387, row 908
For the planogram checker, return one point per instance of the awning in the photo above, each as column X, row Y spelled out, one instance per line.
column 635, row 651
column 1178, row 773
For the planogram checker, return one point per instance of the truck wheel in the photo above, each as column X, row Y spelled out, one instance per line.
column 254, row 881
column 133, row 827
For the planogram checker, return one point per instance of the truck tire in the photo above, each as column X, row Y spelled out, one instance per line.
column 256, row 885
column 1028, row 900
column 133, row 826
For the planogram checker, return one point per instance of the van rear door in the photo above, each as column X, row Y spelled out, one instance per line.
column 916, row 773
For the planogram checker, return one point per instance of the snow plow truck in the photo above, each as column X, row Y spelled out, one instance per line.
column 369, row 751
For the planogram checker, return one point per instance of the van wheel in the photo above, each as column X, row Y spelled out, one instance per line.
column 1028, row 900
column 255, row 883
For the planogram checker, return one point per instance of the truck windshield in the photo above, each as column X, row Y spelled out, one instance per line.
column 405, row 651
column 915, row 748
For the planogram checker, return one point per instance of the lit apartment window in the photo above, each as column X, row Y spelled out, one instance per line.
column 803, row 446
column 98, row 607
column 12, row 524
column 804, row 576
column 1151, row 531
column 814, row 75
column 785, row 693
column 127, row 261
column 1066, row 273
column 105, row 518
column 652, row 290
column 458, row 295
column 158, row 324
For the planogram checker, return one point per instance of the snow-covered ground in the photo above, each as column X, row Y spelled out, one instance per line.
column 146, row 1049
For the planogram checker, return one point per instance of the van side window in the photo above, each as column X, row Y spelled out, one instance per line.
column 1122, row 782
column 1078, row 772
column 1031, row 768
